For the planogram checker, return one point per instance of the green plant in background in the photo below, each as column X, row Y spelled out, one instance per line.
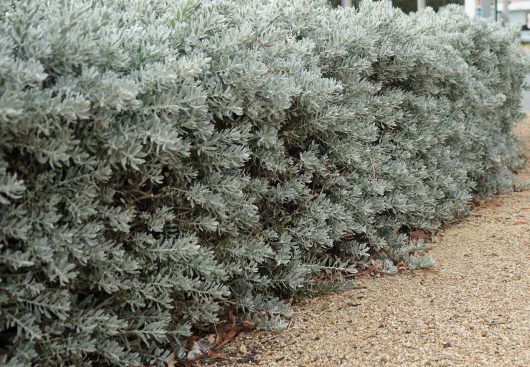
column 164, row 162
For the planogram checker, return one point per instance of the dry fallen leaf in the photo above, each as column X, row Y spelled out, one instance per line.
column 214, row 355
column 226, row 337
column 243, row 349
column 171, row 360
column 206, row 346
column 248, row 324
column 370, row 270
column 521, row 221
column 418, row 235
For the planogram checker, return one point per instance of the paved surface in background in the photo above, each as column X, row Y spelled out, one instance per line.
column 525, row 100
column 472, row 309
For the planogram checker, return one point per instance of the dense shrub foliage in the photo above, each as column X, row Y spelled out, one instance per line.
column 164, row 161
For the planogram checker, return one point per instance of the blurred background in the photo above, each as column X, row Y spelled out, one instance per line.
column 517, row 12
column 409, row 5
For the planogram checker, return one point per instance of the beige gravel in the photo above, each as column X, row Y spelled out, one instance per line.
column 472, row 309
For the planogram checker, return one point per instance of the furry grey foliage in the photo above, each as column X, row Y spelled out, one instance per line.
column 164, row 161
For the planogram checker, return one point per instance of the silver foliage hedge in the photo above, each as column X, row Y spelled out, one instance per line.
column 162, row 162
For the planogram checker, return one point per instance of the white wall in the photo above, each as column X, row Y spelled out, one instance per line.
column 470, row 7
column 518, row 18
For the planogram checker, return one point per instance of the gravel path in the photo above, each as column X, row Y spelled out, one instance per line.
column 472, row 309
